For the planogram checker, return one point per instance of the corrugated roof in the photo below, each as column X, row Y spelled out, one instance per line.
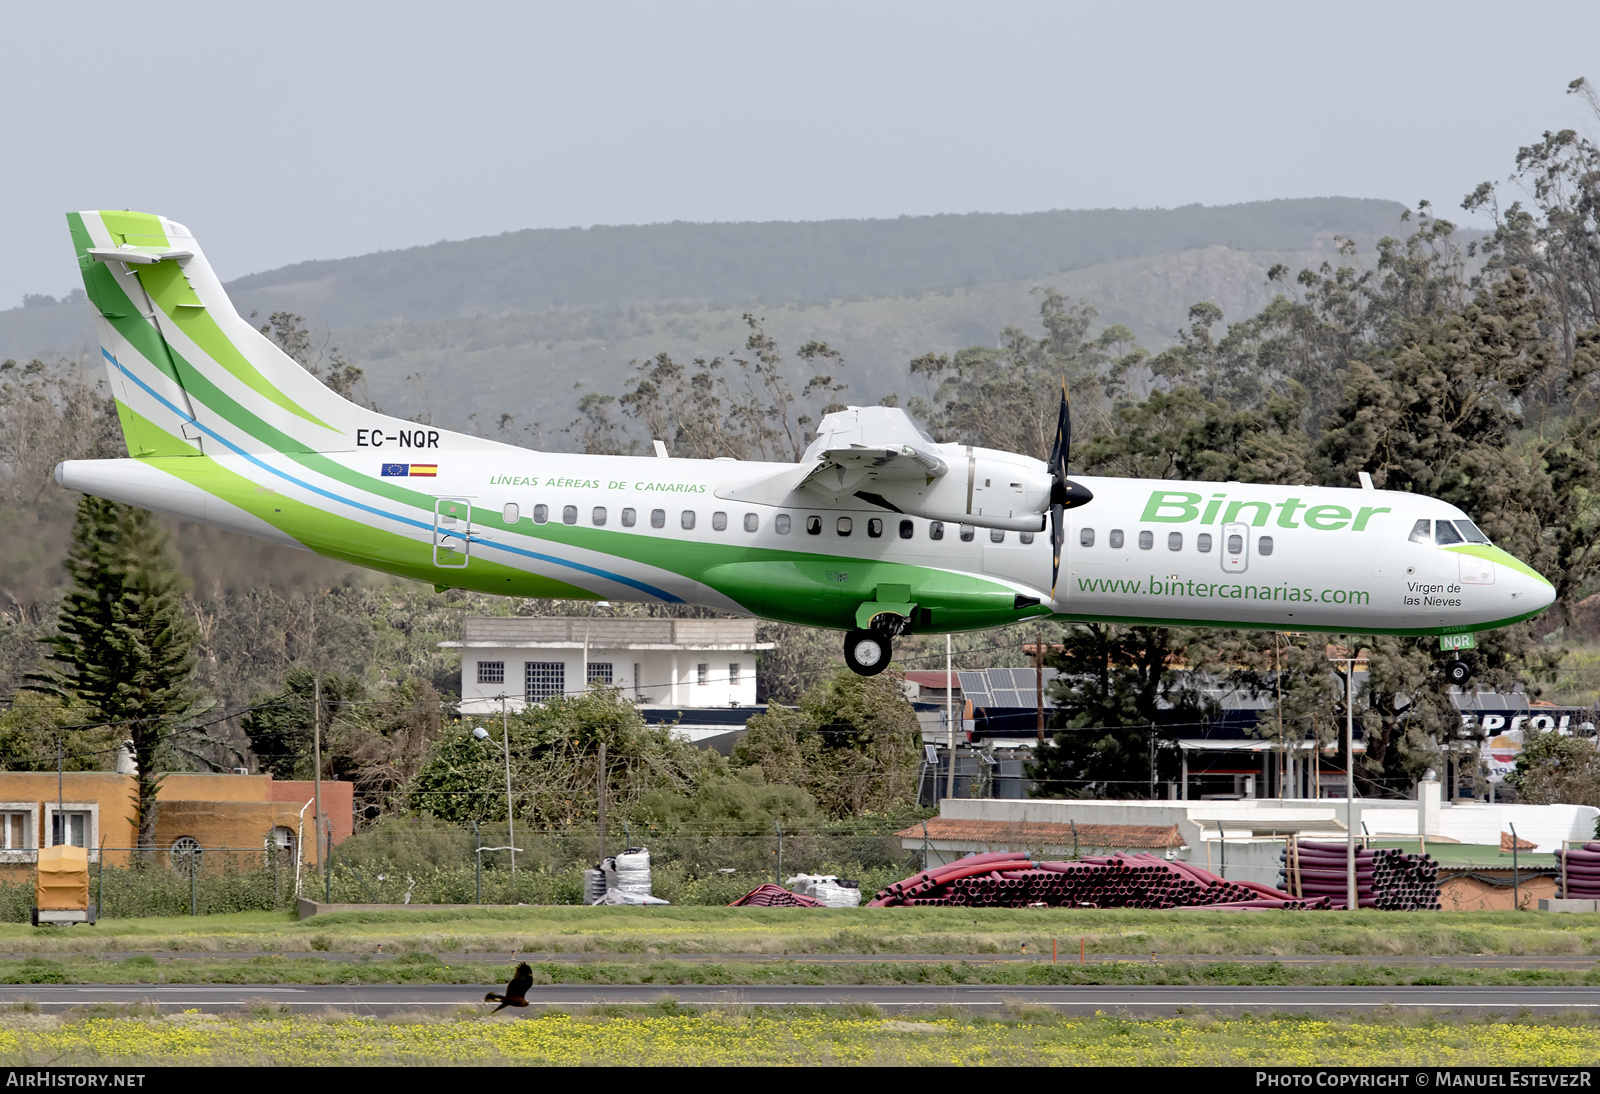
column 1046, row 833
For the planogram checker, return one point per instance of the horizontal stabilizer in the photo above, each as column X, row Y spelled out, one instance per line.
column 139, row 256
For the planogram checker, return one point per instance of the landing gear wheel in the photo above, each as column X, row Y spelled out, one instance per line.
column 1458, row 672
column 867, row 652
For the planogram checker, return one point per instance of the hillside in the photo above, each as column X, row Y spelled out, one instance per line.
column 528, row 364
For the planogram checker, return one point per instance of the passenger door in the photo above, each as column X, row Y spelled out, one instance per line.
column 452, row 532
column 1235, row 548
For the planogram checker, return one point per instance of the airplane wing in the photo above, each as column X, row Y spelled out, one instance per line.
column 861, row 446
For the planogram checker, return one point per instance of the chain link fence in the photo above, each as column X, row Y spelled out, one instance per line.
column 427, row 862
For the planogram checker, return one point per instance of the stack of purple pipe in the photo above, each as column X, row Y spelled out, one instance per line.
column 1580, row 870
column 1386, row 878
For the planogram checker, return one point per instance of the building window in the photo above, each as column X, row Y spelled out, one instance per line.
column 636, row 680
column 907, row 529
column 780, row 524
column 629, row 518
column 1147, row 540
column 280, row 844
column 813, row 526
column 15, row 829
column 733, row 674
column 719, row 521
column 1174, row 541
column 936, row 529
column 844, row 524
column 491, row 672
column 511, row 514
column 1116, row 539
column 541, row 513
column 751, row 522
column 1202, row 543
column 601, row 672
column 874, row 528
column 703, row 673
column 997, row 535
column 569, row 514
column 658, row 518
column 543, row 679
column 967, row 532
column 687, row 519
column 77, row 828
column 598, row 516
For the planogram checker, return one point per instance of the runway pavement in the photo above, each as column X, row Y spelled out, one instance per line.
column 392, row 999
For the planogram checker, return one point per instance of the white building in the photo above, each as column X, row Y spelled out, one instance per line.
column 656, row 662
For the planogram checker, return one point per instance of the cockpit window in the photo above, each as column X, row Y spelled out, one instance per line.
column 1470, row 530
column 1422, row 532
column 1445, row 532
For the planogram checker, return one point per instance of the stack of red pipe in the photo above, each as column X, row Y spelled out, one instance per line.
column 774, row 896
column 1386, row 878
column 1006, row 879
column 1581, row 869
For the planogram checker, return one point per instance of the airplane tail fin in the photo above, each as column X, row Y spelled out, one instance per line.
column 189, row 374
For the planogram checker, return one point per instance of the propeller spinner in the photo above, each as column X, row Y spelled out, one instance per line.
column 1064, row 493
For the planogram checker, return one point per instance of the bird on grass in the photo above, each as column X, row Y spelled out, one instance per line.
column 516, row 992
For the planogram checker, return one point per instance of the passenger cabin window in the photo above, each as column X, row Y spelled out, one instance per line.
column 598, row 516
column 936, row 529
column 629, row 518
column 687, row 519
column 658, row 518
column 1086, row 537
column 997, row 535
column 874, row 528
column 967, row 532
column 843, row 526
column 1174, row 541
column 751, row 522
column 1115, row 539
column 541, row 513
column 569, row 514
column 1445, row 532
column 1422, row 532
column 907, row 529
column 780, row 524
column 813, row 526
column 1202, row 543
column 1025, row 537
column 1264, row 546
column 1147, row 540
column 719, row 522
column 1236, row 545
column 511, row 514
column 1471, row 531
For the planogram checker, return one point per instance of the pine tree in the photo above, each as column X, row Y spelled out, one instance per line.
column 123, row 644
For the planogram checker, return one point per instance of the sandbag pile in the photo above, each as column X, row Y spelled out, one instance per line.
column 774, row 896
column 1004, row 879
column 1386, row 878
column 829, row 890
column 1580, row 867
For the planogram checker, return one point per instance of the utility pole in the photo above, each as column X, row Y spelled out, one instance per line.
column 1349, row 661
column 316, row 754
column 949, row 719
column 1038, row 677
column 511, row 835
column 602, row 778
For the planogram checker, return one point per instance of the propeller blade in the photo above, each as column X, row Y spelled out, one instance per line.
column 1063, row 446
column 1057, row 539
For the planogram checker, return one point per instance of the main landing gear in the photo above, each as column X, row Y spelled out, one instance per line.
column 867, row 652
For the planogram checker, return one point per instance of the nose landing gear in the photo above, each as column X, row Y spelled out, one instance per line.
column 1458, row 672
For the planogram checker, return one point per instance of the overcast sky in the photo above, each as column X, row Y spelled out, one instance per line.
column 286, row 131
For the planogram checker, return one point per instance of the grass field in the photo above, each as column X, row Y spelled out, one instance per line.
column 666, row 1034
column 664, row 931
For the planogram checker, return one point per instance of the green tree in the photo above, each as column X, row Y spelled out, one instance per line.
column 1123, row 699
column 1552, row 768
column 281, row 727
column 851, row 744
column 124, row 646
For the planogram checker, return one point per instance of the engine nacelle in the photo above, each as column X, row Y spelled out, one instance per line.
column 983, row 487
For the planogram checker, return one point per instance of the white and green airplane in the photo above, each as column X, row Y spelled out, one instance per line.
column 878, row 531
